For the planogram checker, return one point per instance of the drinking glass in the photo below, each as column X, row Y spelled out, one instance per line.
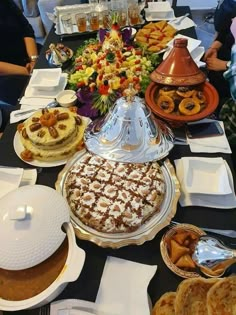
column 81, row 22
column 134, row 14
column 67, row 23
column 94, row 21
column 106, row 19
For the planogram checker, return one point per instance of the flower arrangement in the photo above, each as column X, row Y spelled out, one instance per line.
column 105, row 67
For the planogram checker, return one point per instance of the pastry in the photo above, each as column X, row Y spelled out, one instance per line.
column 191, row 296
column 165, row 305
column 221, row 298
column 114, row 197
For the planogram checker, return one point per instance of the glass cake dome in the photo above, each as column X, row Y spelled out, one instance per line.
column 129, row 132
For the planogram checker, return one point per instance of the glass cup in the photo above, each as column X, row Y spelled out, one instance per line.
column 106, row 19
column 134, row 14
column 67, row 23
column 94, row 21
column 123, row 17
column 81, row 22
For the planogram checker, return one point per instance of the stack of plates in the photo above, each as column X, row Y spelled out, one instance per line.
column 46, row 83
column 205, row 182
column 159, row 11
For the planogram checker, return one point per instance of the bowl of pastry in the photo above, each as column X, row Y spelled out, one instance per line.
column 179, row 92
column 177, row 246
column 181, row 104
column 34, row 270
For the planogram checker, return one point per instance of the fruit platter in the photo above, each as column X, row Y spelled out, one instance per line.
column 104, row 68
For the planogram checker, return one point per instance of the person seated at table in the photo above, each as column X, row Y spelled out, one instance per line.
column 217, row 56
column 18, row 55
column 18, row 46
column 228, row 111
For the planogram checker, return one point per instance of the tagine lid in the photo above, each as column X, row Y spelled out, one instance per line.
column 129, row 132
column 31, row 219
column 179, row 68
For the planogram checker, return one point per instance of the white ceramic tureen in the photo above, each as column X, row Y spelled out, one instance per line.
column 34, row 222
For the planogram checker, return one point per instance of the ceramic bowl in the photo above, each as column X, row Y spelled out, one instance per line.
column 66, row 98
column 45, row 79
column 165, row 248
column 212, row 99
column 71, row 271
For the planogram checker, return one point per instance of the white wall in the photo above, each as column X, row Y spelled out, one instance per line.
column 198, row 4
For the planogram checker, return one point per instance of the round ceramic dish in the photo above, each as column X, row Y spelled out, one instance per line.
column 165, row 253
column 146, row 232
column 70, row 272
column 209, row 91
column 66, row 98
column 27, row 225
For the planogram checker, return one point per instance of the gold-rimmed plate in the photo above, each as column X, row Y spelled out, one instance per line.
column 147, row 231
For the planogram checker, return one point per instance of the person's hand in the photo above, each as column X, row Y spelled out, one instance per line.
column 233, row 28
column 30, row 66
column 216, row 64
column 210, row 53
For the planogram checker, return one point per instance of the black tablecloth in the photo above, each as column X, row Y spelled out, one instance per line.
column 86, row 287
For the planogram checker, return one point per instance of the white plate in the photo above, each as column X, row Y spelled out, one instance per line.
column 192, row 43
column 146, row 232
column 18, row 147
column 206, row 176
column 205, row 200
column 45, row 79
column 33, row 92
column 149, row 16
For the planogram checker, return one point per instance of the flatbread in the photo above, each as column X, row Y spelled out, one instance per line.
column 191, row 296
column 221, row 298
column 165, row 305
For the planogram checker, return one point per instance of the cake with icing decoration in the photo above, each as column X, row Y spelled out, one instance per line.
column 114, row 197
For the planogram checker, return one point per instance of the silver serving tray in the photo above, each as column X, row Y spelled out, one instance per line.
column 147, row 231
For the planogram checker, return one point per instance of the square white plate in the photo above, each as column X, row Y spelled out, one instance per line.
column 156, row 16
column 206, row 176
column 192, row 43
column 32, row 92
column 45, row 79
column 159, row 6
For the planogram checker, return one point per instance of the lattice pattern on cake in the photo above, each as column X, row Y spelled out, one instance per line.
column 114, row 197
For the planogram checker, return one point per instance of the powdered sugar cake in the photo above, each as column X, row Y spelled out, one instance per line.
column 114, row 197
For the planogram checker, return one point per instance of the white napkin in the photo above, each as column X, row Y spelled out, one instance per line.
column 185, row 23
column 74, row 307
column 34, row 101
column 10, row 178
column 13, row 177
column 28, row 105
column 124, row 284
column 210, row 144
column 205, row 200
column 25, row 113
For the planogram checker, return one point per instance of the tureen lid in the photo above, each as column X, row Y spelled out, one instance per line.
column 179, row 68
column 31, row 219
column 129, row 133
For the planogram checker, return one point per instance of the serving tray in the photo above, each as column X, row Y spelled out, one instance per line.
column 147, row 231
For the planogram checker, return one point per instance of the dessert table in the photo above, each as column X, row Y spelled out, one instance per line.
column 87, row 285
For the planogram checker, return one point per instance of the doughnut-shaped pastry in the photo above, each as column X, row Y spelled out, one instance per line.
column 189, row 106
column 199, row 96
column 166, row 103
column 185, row 91
column 167, row 91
